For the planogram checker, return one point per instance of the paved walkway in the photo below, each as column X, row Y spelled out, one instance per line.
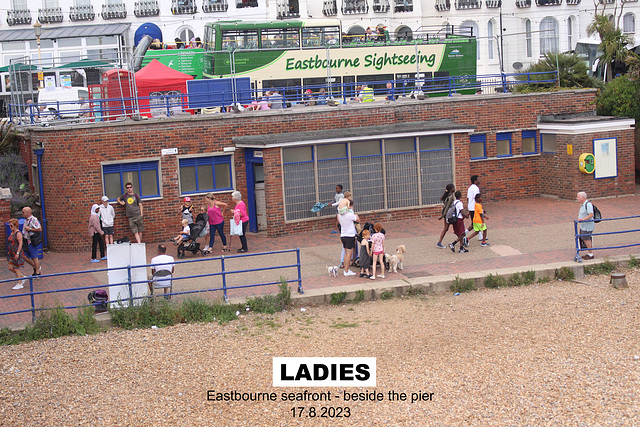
column 521, row 233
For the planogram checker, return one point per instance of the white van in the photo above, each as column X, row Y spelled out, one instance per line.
column 64, row 100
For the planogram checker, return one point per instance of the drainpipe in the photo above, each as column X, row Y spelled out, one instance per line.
column 39, row 152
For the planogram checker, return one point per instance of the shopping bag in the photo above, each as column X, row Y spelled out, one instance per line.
column 235, row 229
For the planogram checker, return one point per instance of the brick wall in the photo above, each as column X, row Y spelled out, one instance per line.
column 72, row 156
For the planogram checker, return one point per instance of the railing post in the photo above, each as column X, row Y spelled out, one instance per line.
column 224, row 279
column 300, row 291
column 130, row 286
column 168, row 105
column 33, row 302
column 577, row 240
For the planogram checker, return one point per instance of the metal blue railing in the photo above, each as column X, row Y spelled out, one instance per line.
column 224, row 272
column 95, row 110
column 577, row 236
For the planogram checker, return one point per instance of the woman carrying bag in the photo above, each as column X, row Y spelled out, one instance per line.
column 14, row 252
column 240, row 220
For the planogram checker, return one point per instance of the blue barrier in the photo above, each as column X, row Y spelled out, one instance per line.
column 577, row 236
column 224, row 272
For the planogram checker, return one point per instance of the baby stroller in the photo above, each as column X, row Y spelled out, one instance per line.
column 198, row 229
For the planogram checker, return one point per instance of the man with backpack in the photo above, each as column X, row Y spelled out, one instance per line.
column 586, row 227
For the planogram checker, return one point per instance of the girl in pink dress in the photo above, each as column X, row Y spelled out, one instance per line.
column 378, row 250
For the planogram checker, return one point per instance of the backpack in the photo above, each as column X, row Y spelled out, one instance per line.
column 597, row 215
column 452, row 214
column 98, row 299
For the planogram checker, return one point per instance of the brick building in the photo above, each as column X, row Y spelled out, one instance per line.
column 396, row 158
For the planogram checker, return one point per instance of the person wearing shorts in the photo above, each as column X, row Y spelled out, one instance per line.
column 458, row 227
column 586, row 226
column 133, row 209
column 107, row 216
column 32, row 230
column 348, row 233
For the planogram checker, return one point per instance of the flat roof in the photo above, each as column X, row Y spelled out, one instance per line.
column 65, row 32
column 398, row 130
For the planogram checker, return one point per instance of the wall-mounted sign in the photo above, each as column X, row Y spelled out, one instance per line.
column 168, row 151
column 257, row 153
column 586, row 163
column 569, row 149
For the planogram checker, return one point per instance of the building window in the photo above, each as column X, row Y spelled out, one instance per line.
column 381, row 174
column 549, row 34
column 186, row 34
column 478, row 146
column 529, row 142
column 476, row 33
column 143, row 175
column 629, row 24
column 527, row 30
column 570, row 32
column 503, row 144
column 490, row 38
column 549, row 142
column 205, row 174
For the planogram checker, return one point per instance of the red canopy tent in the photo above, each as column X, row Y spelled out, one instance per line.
column 156, row 79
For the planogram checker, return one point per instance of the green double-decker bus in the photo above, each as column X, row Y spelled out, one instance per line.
column 316, row 53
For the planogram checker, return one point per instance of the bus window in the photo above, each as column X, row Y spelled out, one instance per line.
column 240, row 39
column 312, row 37
column 280, row 38
column 209, row 42
column 331, row 35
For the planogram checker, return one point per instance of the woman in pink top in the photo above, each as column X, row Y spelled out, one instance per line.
column 241, row 208
column 216, row 212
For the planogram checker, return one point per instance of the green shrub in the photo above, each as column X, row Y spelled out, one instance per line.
column 387, row 295
column 461, row 285
column 528, row 277
column 607, row 267
column 148, row 313
column 565, row 273
column 338, row 298
column 85, row 321
column 271, row 304
column 493, row 282
column 544, row 279
column 633, row 262
column 51, row 323
column 359, row 296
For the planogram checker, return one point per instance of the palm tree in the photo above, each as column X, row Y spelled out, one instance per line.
column 572, row 73
column 613, row 43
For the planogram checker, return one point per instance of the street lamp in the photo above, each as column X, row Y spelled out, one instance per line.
column 37, row 28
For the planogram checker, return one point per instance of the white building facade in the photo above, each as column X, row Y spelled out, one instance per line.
column 77, row 29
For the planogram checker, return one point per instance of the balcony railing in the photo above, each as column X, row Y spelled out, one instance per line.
column 209, row 6
column 246, row 3
column 114, row 11
column 493, row 4
column 146, row 8
column 81, row 13
column 183, row 7
column 19, row 17
column 523, row 3
column 443, row 5
column 381, row 6
column 287, row 9
column 354, row 6
column 48, row 16
column 548, row 2
column 330, row 8
column 468, row 4
column 404, row 6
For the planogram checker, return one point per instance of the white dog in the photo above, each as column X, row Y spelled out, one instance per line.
column 396, row 260
column 332, row 270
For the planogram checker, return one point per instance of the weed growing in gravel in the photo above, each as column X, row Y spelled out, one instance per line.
column 386, row 295
column 607, row 267
column 271, row 304
column 359, row 296
column 528, row 277
column 544, row 279
column 461, row 285
column 343, row 325
column 148, row 313
column 633, row 262
column 414, row 292
column 565, row 273
column 53, row 323
column 338, row 298
column 493, row 282
column 197, row 310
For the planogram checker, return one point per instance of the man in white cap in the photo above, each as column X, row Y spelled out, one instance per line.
column 107, row 215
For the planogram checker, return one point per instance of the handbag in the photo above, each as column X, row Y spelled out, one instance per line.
column 235, row 229
column 36, row 238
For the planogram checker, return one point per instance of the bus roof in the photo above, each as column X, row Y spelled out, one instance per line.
column 251, row 25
